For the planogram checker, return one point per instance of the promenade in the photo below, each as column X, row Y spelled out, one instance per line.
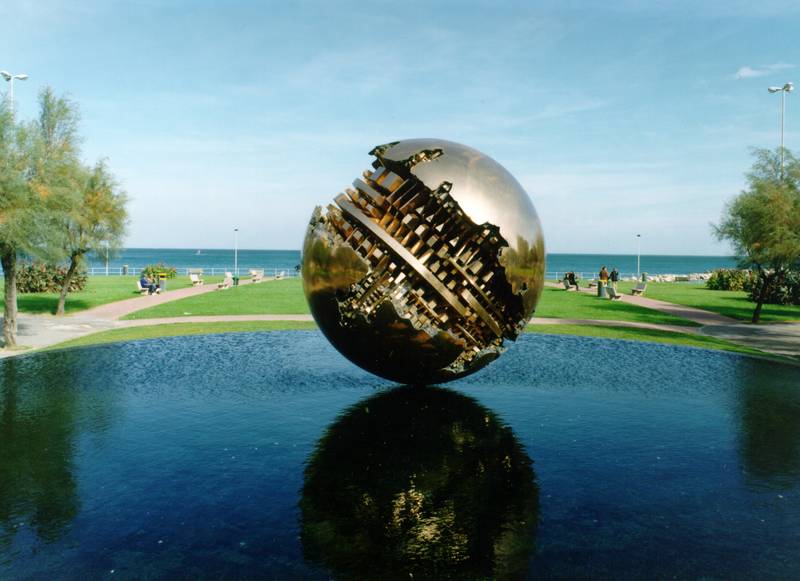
column 40, row 331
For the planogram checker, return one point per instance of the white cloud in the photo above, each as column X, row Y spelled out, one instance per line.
column 747, row 72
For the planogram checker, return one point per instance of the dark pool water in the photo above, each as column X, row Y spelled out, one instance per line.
column 270, row 456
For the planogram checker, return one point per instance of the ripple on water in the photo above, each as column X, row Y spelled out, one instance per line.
column 185, row 456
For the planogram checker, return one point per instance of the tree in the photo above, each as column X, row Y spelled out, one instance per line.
column 763, row 222
column 95, row 220
column 15, row 213
column 35, row 164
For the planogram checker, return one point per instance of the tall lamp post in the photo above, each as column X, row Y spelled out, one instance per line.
column 787, row 88
column 236, row 252
column 11, row 78
column 638, row 256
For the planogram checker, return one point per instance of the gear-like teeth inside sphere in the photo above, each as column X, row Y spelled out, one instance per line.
column 416, row 251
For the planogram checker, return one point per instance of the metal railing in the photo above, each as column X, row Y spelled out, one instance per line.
column 244, row 271
column 559, row 275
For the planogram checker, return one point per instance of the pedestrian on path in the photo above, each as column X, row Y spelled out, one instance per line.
column 614, row 276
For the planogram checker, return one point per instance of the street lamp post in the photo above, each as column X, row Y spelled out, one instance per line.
column 787, row 88
column 638, row 256
column 11, row 78
column 236, row 252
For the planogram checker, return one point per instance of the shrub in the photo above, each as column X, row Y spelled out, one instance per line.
column 39, row 277
column 152, row 271
column 730, row 279
column 786, row 293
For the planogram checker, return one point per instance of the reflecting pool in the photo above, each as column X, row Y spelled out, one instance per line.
column 269, row 455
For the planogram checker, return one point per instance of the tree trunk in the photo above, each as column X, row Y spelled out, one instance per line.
column 762, row 295
column 62, row 298
column 8, row 259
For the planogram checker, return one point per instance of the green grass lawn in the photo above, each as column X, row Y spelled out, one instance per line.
column 178, row 329
column 99, row 291
column 729, row 303
column 559, row 303
column 284, row 297
column 271, row 297
column 650, row 335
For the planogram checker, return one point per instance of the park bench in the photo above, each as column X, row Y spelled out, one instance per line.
column 144, row 290
column 227, row 282
column 196, row 276
column 639, row 288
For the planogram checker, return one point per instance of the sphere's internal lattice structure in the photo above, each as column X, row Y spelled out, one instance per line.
column 422, row 269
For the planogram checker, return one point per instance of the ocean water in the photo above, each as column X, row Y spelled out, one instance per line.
column 210, row 260
column 270, row 260
column 270, row 456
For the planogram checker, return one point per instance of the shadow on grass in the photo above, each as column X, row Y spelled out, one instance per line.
column 558, row 303
column 740, row 307
column 38, row 304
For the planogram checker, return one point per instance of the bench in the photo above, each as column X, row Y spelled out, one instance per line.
column 256, row 275
column 143, row 291
column 639, row 288
column 568, row 286
column 196, row 276
column 227, row 283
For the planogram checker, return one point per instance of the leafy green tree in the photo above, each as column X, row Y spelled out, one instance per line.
column 16, row 209
column 95, row 220
column 763, row 222
column 36, row 161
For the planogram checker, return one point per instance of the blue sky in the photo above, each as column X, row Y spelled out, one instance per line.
column 617, row 117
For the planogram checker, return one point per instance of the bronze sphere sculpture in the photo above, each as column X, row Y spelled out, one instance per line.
column 421, row 270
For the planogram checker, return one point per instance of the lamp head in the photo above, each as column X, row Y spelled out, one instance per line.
column 788, row 87
column 22, row 77
column 774, row 89
column 6, row 75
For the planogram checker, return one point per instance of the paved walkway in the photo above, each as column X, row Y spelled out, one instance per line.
column 37, row 331
column 779, row 339
column 117, row 310
column 695, row 315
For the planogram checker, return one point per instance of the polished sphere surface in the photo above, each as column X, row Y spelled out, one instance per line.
column 422, row 270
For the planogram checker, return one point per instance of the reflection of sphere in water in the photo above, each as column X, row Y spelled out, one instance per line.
column 422, row 482
column 422, row 270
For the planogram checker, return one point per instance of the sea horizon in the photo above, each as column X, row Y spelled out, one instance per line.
column 242, row 249
column 219, row 259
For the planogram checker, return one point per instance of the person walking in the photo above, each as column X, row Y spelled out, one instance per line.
column 614, row 277
column 603, row 276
